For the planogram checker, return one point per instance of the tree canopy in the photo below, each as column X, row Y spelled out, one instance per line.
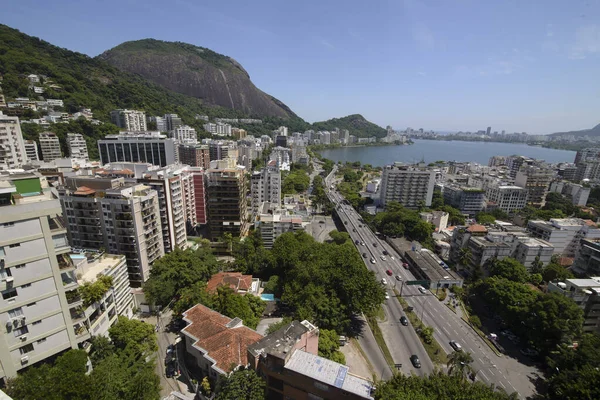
column 242, row 384
column 510, row 269
column 397, row 220
column 329, row 346
column 134, row 334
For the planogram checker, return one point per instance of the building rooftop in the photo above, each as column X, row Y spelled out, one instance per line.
column 233, row 280
column 224, row 340
column 101, row 265
column 282, row 341
column 328, row 372
column 476, row 228
column 431, row 265
column 593, row 282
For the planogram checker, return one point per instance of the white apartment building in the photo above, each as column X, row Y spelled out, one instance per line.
column 12, row 148
column 161, row 124
column 578, row 194
column 564, row 234
column 265, row 186
column 273, row 222
column 34, row 310
column 150, row 147
column 172, row 122
column 50, row 146
column 586, row 294
column 184, row 134
column 31, row 150
column 77, row 146
column 537, row 181
column 129, row 120
column 122, row 218
column 409, row 185
column 506, row 197
column 438, row 218
column 219, row 128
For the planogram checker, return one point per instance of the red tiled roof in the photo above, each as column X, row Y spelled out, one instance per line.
column 227, row 346
column 566, row 261
column 477, row 228
column 84, row 190
column 233, row 280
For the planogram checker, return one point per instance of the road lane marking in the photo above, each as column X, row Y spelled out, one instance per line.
column 444, row 329
column 502, row 384
column 484, row 375
column 492, row 372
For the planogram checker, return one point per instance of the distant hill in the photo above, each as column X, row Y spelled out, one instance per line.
column 197, row 72
column 595, row 131
column 355, row 123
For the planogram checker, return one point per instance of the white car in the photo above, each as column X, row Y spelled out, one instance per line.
column 422, row 289
column 392, row 257
column 372, row 261
column 387, row 296
column 383, row 258
column 383, row 281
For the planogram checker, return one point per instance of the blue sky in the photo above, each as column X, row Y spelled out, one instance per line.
column 518, row 65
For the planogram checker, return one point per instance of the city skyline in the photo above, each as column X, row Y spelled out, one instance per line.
column 448, row 67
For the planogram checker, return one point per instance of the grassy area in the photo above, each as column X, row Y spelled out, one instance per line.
column 372, row 321
column 433, row 349
column 440, row 294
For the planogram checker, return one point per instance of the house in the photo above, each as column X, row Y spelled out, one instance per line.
column 217, row 344
column 240, row 284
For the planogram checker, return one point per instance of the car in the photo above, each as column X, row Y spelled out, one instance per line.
column 345, row 222
column 372, row 261
column 168, row 359
column 387, row 296
column 385, row 253
column 364, row 255
column 356, row 241
column 455, row 345
column 383, row 258
column 359, row 225
column 404, row 320
column 383, row 281
column 374, row 244
column 398, row 278
column 415, row 361
column 405, row 265
column 422, row 289
column 353, row 229
column 362, row 243
column 321, row 222
column 389, row 272
column 392, row 257
column 170, row 371
column 530, row 352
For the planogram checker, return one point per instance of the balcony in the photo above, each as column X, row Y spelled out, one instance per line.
column 60, row 242
column 69, row 280
column 77, row 314
column 65, row 263
column 73, row 298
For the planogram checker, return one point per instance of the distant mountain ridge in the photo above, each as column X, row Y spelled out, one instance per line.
column 197, row 72
column 356, row 124
column 595, row 131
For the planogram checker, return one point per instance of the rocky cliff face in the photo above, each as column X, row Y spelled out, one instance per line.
column 195, row 71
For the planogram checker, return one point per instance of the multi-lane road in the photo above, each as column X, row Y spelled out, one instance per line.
column 504, row 372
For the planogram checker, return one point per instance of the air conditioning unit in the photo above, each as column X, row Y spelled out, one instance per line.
column 9, row 279
column 24, row 359
column 23, row 338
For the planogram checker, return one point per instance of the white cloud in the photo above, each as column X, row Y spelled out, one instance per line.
column 587, row 42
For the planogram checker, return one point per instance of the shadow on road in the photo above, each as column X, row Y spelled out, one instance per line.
column 357, row 325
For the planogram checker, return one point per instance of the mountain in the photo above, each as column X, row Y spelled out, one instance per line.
column 197, row 72
column 355, row 123
column 595, row 131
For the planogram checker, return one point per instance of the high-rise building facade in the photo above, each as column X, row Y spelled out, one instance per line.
column 194, row 155
column 184, row 134
column 129, row 120
column 122, row 218
column 172, row 122
column 265, row 186
column 226, row 202
column 150, row 147
column 31, row 150
column 537, row 182
column 409, row 185
column 77, row 146
column 50, row 146
column 467, row 199
column 194, row 191
column 507, row 198
column 12, row 148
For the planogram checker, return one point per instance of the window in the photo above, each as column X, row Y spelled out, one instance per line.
column 20, row 266
column 16, row 312
column 37, row 322
column 4, row 273
column 25, row 285
column 31, row 304
column 8, row 224
column 26, row 349
column 15, row 245
column 41, row 341
column 21, row 331
column 9, row 294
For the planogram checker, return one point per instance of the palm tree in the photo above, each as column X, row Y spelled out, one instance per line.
column 459, row 364
column 465, row 256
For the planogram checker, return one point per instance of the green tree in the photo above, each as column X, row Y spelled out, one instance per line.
column 339, row 237
column 251, row 257
column 465, row 256
column 537, row 266
column 178, row 270
column 485, row 218
column 278, row 325
column 190, row 296
column 555, row 272
column 92, row 292
column 243, row 384
column 329, row 346
column 459, row 364
column 248, row 308
column 511, row 269
column 427, row 334
column 136, row 335
column 437, row 200
column 101, row 348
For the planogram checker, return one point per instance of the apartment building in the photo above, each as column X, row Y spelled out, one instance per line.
column 273, row 222
column 77, row 146
column 220, row 150
column 129, row 120
column 282, row 156
column 467, row 199
column 161, row 124
column 288, row 361
column 537, row 182
column 192, row 179
column 123, row 218
column 587, row 262
column 12, row 148
column 172, row 122
column 194, row 155
column 265, row 186
column 514, row 164
column 219, row 129
column 238, row 133
column 578, row 194
column 184, row 134
column 226, row 201
column 565, row 234
column 50, row 146
column 149, row 147
column 168, row 185
column 31, row 150
column 34, row 309
column 439, row 219
column 248, row 152
column 507, row 198
column 409, row 185
column 586, row 294
column 588, row 154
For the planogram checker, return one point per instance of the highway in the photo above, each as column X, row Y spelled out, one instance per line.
column 503, row 372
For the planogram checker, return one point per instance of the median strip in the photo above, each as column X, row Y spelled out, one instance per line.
column 372, row 321
column 433, row 349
